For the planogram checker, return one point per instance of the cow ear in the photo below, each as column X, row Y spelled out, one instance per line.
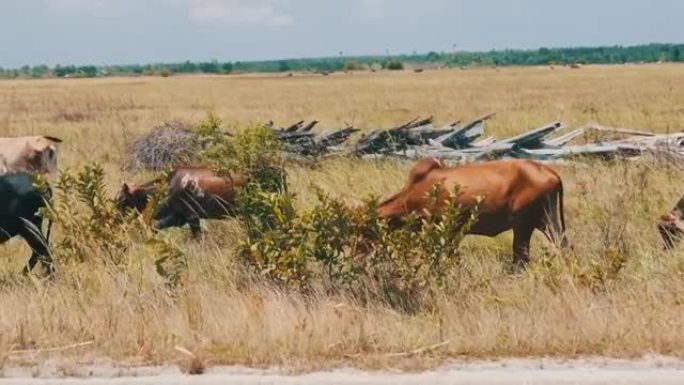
column 126, row 189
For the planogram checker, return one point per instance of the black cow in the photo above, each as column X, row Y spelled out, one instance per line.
column 20, row 201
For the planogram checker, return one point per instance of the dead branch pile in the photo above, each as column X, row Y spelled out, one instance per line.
column 168, row 144
column 420, row 139
column 417, row 133
column 299, row 138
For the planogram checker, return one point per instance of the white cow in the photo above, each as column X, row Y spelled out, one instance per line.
column 32, row 154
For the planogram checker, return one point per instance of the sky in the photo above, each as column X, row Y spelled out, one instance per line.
column 147, row 31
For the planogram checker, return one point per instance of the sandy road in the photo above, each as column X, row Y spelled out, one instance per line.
column 584, row 372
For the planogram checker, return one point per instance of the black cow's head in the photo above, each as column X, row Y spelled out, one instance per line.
column 132, row 198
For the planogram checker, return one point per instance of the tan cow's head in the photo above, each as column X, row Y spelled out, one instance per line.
column 41, row 154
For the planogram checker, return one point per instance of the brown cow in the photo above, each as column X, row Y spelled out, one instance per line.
column 194, row 192
column 671, row 226
column 32, row 154
column 521, row 195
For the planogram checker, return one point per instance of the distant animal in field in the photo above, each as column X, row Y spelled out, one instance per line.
column 194, row 193
column 32, row 154
column 671, row 225
column 518, row 195
column 20, row 201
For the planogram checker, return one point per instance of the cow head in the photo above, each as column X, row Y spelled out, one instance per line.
column 190, row 184
column 41, row 154
column 671, row 229
column 132, row 198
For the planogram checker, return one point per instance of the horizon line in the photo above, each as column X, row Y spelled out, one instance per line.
column 354, row 56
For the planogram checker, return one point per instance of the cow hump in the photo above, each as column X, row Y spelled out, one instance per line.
column 420, row 170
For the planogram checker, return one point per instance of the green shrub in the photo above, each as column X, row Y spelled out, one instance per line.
column 94, row 231
column 93, row 227
column 253, row 152
column 274, row 239
column 350, row 250
column 351, row 66
column 170, row 263
column 393, row 65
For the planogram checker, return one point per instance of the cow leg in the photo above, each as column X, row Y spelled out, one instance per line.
column 40, row 251
column 178, row 220
column 195, row 227
column 31, row 263
column 668, row 236
column 171, row 220
column 552, row 224
column 522, row 234
column 45, row 260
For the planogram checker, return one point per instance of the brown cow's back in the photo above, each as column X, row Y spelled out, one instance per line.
column 173, row 179
column 207, row 185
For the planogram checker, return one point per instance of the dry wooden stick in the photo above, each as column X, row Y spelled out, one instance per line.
column 184, row 351
column 598, row 127
column 419, row 351
column 54, row 349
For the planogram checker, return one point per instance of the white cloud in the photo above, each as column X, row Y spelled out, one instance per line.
column 240, row 12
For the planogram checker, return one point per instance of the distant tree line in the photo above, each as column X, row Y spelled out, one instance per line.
column 650, row 53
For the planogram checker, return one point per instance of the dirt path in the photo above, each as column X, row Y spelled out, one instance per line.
column 552, row 372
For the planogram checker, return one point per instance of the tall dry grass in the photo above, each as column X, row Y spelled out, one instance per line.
column 618, row 295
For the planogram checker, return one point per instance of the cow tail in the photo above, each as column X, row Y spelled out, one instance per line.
column 51, row 265
column 564, row 241
column 562, row 210
column 49, row 226
column 47, row 235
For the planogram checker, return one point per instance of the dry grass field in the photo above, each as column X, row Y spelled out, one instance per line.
column 619, row 295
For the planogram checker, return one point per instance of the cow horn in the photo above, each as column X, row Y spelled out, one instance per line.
column 53, row 139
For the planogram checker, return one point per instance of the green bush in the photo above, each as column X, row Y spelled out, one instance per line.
column 351, row 65
column 393, row 65
column 350, row 250
column 93, row 227
column 253, row 152
column 171, row 263
column 94, row 231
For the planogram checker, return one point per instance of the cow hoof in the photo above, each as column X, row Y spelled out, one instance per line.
column 520, row 267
